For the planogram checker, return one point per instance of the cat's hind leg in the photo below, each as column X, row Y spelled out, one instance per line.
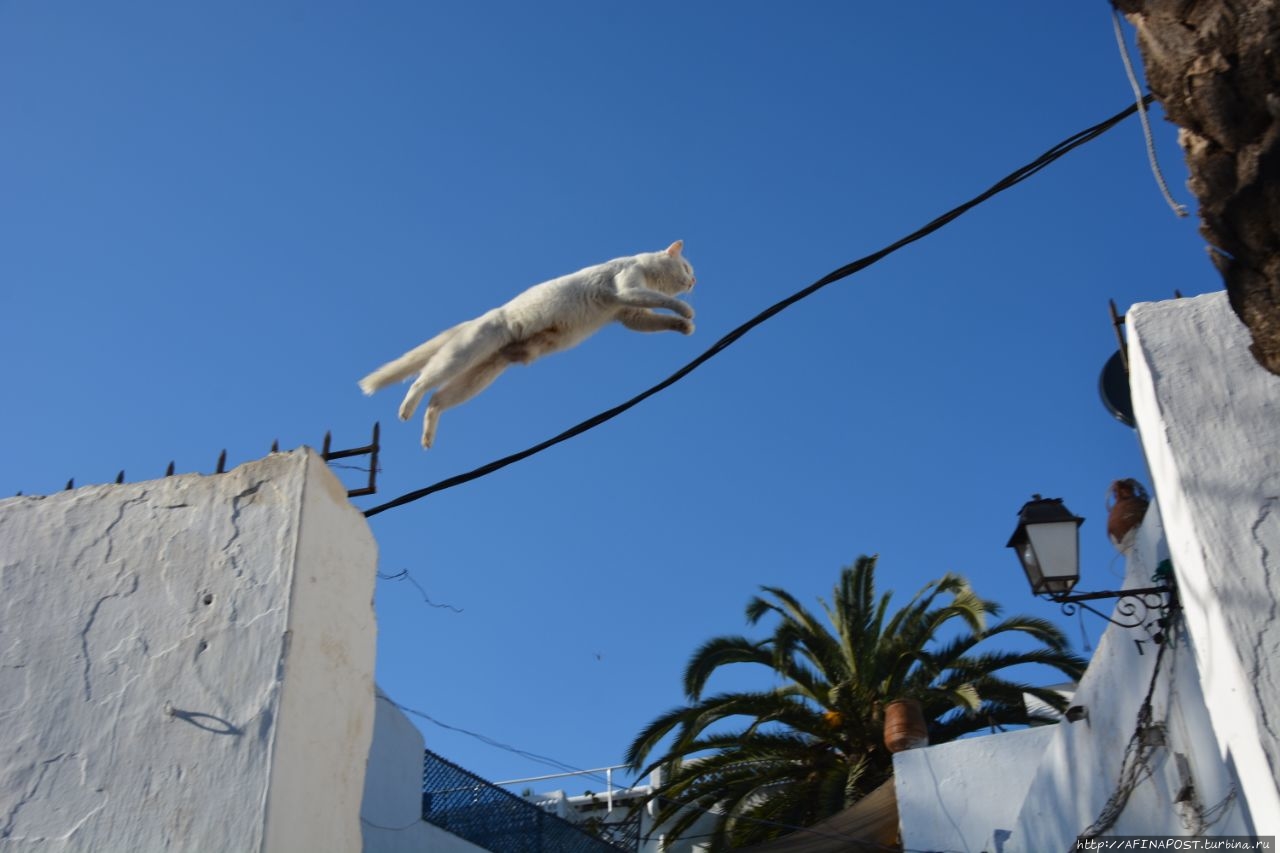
column 470, row 344
column 459, row 390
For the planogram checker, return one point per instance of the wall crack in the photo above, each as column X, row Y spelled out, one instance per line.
column 1265, row 532
column 88, row 626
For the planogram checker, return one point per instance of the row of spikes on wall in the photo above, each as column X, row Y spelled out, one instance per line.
column 326, row 451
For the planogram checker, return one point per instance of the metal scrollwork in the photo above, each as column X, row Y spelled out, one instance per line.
column 1135, row 608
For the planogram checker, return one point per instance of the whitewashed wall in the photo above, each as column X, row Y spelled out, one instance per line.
column 1209, row 420
column 1036, row 790
column 186, row 664
column 392, row 811
column 965, row 795
column 1210, row 423
column 1079, row 772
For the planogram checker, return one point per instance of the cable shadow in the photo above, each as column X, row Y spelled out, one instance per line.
column 207, row 722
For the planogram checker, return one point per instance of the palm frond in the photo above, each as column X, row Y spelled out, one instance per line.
column 718, row 652
column 766, row 761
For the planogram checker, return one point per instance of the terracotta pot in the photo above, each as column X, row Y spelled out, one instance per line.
column 904, row 726
column 1127, row 510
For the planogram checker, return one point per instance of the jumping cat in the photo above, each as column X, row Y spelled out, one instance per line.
column 555, row 315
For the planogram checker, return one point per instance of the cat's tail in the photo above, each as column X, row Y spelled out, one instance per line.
column 406, row 365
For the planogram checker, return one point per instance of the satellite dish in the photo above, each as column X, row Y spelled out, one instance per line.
column 1113, row 387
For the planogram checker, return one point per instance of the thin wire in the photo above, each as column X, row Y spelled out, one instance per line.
column 1134, row 769
column 1084, row 637
column 407, row 826
column 532, row 756
column 403, row 575
column 1177, row 208
column 551, row 762
column 1014, row 178
column 1216, row 812
column 353, row 467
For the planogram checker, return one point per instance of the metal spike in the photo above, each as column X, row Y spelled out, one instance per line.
column 275, row 446
column 324, row 450
column 71, row 484
column 18, row 495
column 120, row 477
column 168, row 472
column 374, row 450
column 1117, row 320
column 222, row 462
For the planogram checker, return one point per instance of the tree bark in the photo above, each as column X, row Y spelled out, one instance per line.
column 1214, row 65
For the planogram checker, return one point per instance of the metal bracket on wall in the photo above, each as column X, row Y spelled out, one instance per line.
column 371, row 450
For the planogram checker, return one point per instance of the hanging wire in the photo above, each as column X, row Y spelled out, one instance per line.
column 1084, row 636
column 551, row 762
column 403, row 575
column 1134, row 767
column 859, row 844
column 532, row 756
column 1177, row 208
column 1207, row 817
column 1016, row 177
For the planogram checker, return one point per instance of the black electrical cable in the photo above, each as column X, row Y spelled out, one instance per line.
column 1070, row 143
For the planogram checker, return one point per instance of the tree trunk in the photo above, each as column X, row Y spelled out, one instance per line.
column 1214, row 65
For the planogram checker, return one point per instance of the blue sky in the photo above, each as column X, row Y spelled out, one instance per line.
column 215, row 218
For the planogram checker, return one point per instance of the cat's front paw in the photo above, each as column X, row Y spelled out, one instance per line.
column 685, row 310
column 685, row 327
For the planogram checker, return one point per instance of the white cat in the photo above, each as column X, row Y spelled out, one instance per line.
column 555, row 315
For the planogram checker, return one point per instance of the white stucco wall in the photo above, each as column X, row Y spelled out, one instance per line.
column 1036, row 790
column 186, row 664
column 965, row 795
column 1080, row 770
column 1209, row 417
column 391, row 814
column 1209, row 420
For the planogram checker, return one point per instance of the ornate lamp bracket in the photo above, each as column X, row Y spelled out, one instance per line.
column 1148, row 608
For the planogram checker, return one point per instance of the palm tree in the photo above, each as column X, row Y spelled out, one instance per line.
column 771, row 760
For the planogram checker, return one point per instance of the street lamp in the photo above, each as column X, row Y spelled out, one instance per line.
column 1047, row 542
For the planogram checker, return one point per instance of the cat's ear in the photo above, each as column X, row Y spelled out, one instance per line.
column 673, row 250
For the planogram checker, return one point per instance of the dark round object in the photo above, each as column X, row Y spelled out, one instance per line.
column 1113, row 386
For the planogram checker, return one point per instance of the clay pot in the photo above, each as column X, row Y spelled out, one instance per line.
column 904, row 726
column 1127, row 511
